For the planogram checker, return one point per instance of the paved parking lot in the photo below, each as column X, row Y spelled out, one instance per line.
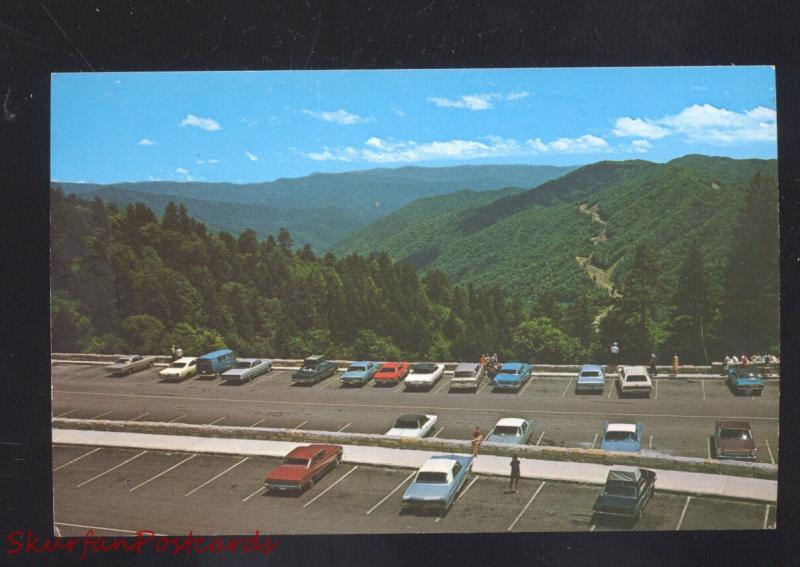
column 677, row 420
column 117, row 491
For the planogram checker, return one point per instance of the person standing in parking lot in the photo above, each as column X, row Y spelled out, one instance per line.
column 675, row 365
column 653, row 370
column 477, row 439
column 513, row 483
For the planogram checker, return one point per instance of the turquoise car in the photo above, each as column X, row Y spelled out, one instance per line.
column 512, row 376
column 512, row 430
column 437, row 483
column 591, row 379
column 741, row 381
column 621, row 437
column 359, row 373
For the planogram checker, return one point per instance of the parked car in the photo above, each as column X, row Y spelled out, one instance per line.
column 303, row 466
column 626, row 493
column 634, row 381
column 467, row 376
column 130, row 363
column 216, row 362
column 424, row 375
column 745, row 381
column 511, row 430
column 359, row 373
column 180, row 369
column 512, row 376
column 413, row 425
column 621, row 437
column 391, row 372
column 734, row 440
column 314, row 369
column 437, row 483
column 247, row 369
column 591, row 379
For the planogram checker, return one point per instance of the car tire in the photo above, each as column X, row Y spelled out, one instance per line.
column 338, row 461
column 310, row 484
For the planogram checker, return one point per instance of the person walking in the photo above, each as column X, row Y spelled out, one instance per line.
column 675, row 365
column 484, row 360
column 178, row 353
column 513, row 483
column 174, row 356
column 614, row 355
column 477, row 439
column 653, row 370
column 494, row 360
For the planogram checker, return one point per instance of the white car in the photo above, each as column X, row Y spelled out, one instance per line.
column 634, row 381
column 424, row 375
column 180, row 369
column 412, row 425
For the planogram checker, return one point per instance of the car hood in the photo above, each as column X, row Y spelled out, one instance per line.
column 611, row 502
column 172, row 370
column 590, row 380
column 420, row 377
column 287, row 472
column 402, row 432
column 629, row 446
column 736, row 444
column 236, row 371
column 355, row 374
column 749, row 380
column 426, row 491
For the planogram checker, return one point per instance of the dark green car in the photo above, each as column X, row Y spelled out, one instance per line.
column 314, row 369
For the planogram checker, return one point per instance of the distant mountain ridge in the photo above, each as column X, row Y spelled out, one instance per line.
column 336, row 203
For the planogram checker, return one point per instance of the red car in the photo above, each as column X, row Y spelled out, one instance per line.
column 303, row 466
column 391, row 372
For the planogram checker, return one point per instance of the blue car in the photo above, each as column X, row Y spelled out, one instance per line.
column 512, row 376
column 591, row 379
column 511, row 430
column 359, row 373
column 621, row 437
column 741, row 381
column 437, row 483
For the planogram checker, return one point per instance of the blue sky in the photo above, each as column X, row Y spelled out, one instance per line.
column 245, row 127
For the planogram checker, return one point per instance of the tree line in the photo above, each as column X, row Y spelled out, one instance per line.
column 125, row 280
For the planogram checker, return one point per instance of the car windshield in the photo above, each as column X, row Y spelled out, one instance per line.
column 177, row 365
column 309, row 367
column 122, row 361
column 387, row 370
column 296, row 461
column 404, row 424
column 590, row 374
column 621, row 489
column 506, row 430
column 423, row 369
column 432, row 477
column 742, row 434
column 505, row 370
column 356, row 368
column 620, row 436
column 464, row 374
column 243, row 365
column 636, row 378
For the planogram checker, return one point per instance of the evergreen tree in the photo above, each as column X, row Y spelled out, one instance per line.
column 692, row 312
column 170, row 219
column 285, row 241
column 640, row 296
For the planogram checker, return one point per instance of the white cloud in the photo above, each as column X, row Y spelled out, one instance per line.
column 517, row 95
column 639, row 146
column 251, row 157
column 182, row 171
column 200, row 161
column 340, row 116
column 706, row 123
column 204, row 123
column 399, row 112
column 377, row 150
column 146, row 142
column 626, row 126
column 213, row 161
column 472, row 102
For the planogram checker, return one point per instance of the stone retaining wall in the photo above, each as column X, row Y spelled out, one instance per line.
column 596, row 456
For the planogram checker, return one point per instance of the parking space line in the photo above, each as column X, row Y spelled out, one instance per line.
column 771, row 460
column 766, row 517
column 259, row 421
column 66, row 413
column 138, row 416
column 535, row 494
column 246, row 498
column 463, row 492
column 105, row 529
column 655, row 397
column 650, row 446
column 438, row 432
column 78, row 459
column 101, row 414
column 540, row 438
column 564, row 393
column 685, row 506
column 343, row 428
column 708, row 447
column 111, row 469
column 595, row 439
column 299, row 426
column 344, row 476
column 703, row 386
column 528, row 383
column 253, row 382
column 385, row 498
column 176, row 419
column 479, row 390
column 163, row 472
column 592, row 528
column 444, row 383
column 216, row 421
column 320, row 385
column 216, row 477
column 290, row 384
column 611, row 388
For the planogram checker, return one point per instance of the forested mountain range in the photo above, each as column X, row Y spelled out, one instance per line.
column 317, row 209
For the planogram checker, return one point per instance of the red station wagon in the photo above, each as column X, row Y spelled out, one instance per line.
column 303, row 466
column 391, row 372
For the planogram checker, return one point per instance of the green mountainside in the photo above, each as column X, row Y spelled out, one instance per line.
column 320, row 208
column 541, row 239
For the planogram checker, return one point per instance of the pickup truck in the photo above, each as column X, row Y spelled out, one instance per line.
column 129, row 364
column 626, row 492
column 247, row 369
column 314, row 369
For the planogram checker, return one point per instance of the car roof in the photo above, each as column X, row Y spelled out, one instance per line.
column 217, row 353
column 438, row 465
column 734, row 424
column 510, row 422
column 248, row 359
column 634, row 370
column 425, row 365
column 413, row 417
column 511, row 365
column 315, row 357
column 624, row 473
column 622, row 427
column 185, row 359
column 305, row 451
column 392, row 364
column 470, row 366
column 361, row 362
column 592, row 367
